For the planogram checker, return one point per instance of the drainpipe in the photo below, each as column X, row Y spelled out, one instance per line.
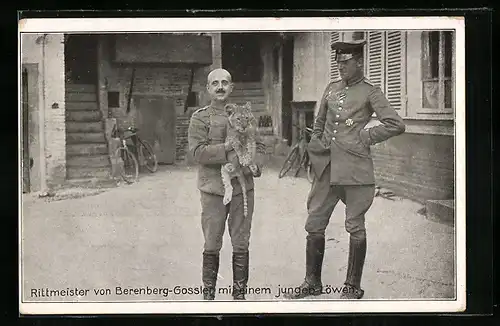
column 41, row 124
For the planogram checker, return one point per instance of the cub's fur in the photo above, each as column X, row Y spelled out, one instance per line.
column 241, row 135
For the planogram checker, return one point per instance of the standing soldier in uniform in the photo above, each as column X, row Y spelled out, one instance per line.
column 340, row 156
column 208, row 147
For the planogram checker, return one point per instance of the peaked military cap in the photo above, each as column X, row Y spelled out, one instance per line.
column 349, row 48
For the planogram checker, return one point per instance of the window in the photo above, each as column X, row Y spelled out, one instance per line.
column 334, row 71
column 415, row 70
column 384, row 63
column 113, row 99
column 437, row 53
column 192, row 99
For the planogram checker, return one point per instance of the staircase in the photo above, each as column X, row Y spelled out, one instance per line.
column 87, row 156
column 252, row 92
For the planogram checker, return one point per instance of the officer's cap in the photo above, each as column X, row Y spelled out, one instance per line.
column 349, row 48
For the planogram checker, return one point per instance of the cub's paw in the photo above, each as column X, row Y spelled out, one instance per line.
column 230, row 167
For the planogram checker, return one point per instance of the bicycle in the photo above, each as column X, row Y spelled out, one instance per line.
column 142, row 151
column 298, row 154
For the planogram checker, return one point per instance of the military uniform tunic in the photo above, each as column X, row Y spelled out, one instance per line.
column 340, row 154
column 339, row 136
column 206, row 136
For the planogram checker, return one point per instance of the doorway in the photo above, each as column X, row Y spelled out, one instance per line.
column 241, row 56
column 157, row 125
column 30, row 146
column 287, row 89
column 80, row 59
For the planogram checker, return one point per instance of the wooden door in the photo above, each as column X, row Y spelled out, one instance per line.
column 156, row 123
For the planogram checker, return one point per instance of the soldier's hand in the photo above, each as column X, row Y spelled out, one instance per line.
column 316, row 144
column 232, row 157
column 228, row 146
column 256, row 170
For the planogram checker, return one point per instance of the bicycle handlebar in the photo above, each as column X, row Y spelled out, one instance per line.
column 308, row 129
column 125, row 133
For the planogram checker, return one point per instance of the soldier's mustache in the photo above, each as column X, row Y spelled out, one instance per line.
column 220, row 91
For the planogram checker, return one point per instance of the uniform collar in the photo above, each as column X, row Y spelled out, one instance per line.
column 217, row 110
column 355, row 79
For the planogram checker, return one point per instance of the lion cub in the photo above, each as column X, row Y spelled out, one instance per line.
column 241, row 134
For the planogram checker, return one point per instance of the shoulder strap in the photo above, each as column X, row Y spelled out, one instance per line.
column 201, row 109
column 369, row 82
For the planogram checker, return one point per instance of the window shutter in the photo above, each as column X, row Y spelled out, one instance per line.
column 394, row 78
column 376, row 59
column 334, row 72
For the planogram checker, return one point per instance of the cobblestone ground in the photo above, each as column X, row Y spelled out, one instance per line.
column 148, row 235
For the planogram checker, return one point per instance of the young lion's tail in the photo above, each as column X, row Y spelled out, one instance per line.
column 245, row 203
column 244, row 193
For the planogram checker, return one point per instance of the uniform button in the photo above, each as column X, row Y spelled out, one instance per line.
column 347, row 87
column 338, row 115
column 340, row 108
column 335, row 131
column 341, row 101
column 336, row 123
column 333, row 138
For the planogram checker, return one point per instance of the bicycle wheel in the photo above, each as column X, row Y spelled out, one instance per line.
column 129, row 168
column 149, row 156
column 289, row 161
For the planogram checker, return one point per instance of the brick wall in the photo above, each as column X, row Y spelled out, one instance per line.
column 182, row 137
column 417, row 166
column 163, row 81
column 51, row 99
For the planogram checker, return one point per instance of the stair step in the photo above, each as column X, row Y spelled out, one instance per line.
column 243, row 100
column 254, row 85
column 86, row 149
column 440, row 211
column 83, row 115
column 81, row 97
column 82, row 106
column 88, row 161
column 85, row 137
column 88, row 172
column 248, row 92
column 81, row 88
column 72, row 126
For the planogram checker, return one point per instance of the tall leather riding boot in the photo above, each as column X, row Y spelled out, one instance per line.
column 240, row 274
column 356, row 260
column 209, row 275
column 312, row 285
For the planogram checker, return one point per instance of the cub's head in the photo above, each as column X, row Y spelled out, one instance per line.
column 240, row 116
